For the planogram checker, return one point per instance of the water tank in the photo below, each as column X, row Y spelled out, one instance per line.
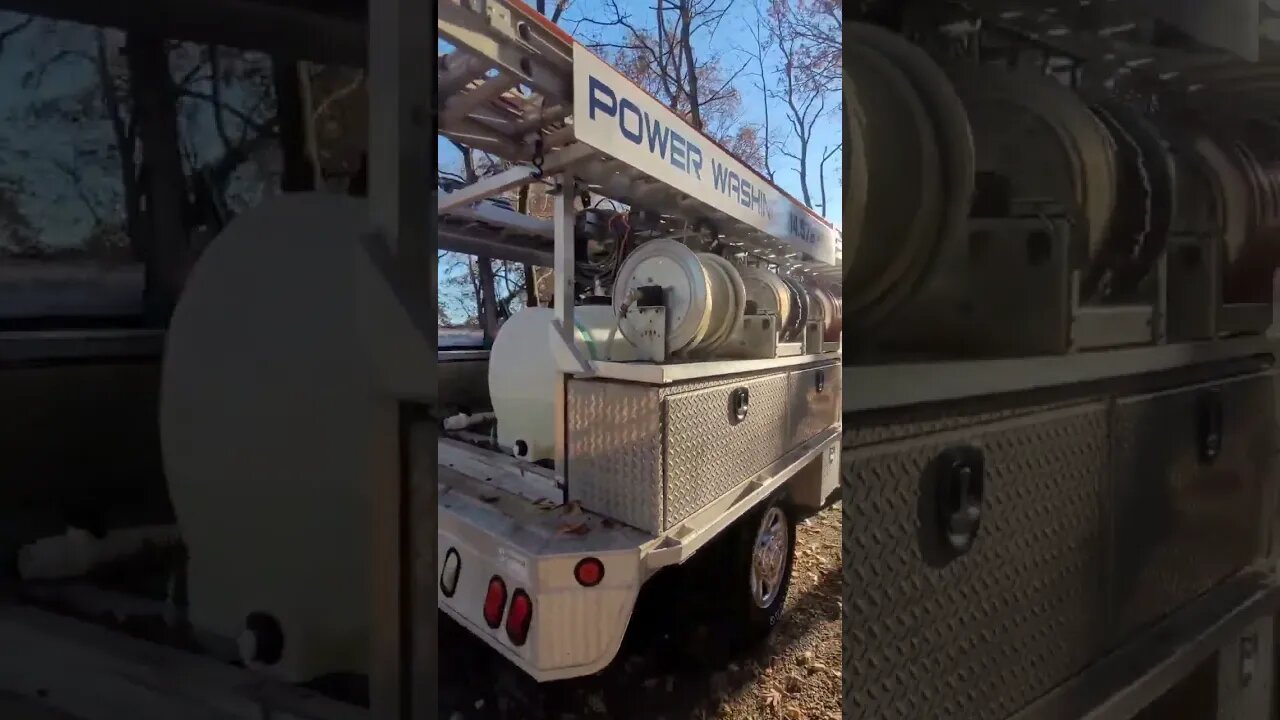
column 522, row 373
column 274, row 426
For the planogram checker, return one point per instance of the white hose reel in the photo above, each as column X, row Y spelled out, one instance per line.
column 703, row 296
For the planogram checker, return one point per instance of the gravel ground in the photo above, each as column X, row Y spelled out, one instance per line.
column 674, row 670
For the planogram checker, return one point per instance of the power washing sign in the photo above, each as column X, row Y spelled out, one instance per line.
column 613, row 115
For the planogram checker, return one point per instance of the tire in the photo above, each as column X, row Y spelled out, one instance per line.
column 756, row 602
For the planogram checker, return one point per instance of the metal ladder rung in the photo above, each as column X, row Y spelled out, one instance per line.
column 457, row 70
column 494, row 119
column 483, row 93
column 547, row 118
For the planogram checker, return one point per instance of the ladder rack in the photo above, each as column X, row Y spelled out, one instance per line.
column 489, row 230
column 518, row 87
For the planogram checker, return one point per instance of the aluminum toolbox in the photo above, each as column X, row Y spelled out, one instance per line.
column 1185, row 515
column 1099, row 516
column 813, row 399
column 651, row 455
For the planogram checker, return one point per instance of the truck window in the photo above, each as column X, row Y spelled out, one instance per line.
column 95, row 232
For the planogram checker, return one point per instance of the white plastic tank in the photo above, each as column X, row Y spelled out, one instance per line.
column 522, row 372
column 274, row 425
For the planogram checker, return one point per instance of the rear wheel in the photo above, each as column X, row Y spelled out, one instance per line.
column 759, row 574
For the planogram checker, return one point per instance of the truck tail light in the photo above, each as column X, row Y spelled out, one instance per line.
column 588, row 572
column 495, row 601
column 519, row 618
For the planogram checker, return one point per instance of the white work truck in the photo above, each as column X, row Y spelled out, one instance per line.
column 682, row 387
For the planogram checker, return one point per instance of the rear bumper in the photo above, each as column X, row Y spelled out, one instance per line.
column 575, row 630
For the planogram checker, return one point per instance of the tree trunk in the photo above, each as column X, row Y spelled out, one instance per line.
column 691, row 69
column 299, row 174
column 156, row 112
column 804, row 169
column 822, row 188
column 822, row 177
column 488, row 300
column 125, row 149
column 530, row 287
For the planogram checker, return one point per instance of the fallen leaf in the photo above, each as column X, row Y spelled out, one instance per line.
column 578, row 528
column 773, row 699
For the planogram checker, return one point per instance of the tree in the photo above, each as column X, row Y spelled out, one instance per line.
column 158, row 142
column 61, row 149
column 817, row 27
column 223, row 106
column 804, row 96
column 762, row 42
column 17, row 236
column 659, row 53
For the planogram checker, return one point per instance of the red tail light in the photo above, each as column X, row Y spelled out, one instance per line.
column 520, row 618
column 588, row 572
column 495, row 600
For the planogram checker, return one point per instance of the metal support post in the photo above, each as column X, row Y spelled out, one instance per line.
column 565, row 264
column 403, row 654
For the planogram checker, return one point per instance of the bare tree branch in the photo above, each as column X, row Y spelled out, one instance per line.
column 214, row 98
column 219, row 123
column 761, row 39
column 561, row 6
column 805, row 101
column 72, row 171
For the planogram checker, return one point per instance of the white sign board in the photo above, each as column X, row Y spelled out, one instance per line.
column 613, row 115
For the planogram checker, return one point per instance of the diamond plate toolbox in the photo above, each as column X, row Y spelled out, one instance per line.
column 1103, row 509
column 1186, row 519
column 652, row 455
column 1023, row 610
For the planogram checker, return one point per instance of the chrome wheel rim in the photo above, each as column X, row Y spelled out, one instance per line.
column 769, row 557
